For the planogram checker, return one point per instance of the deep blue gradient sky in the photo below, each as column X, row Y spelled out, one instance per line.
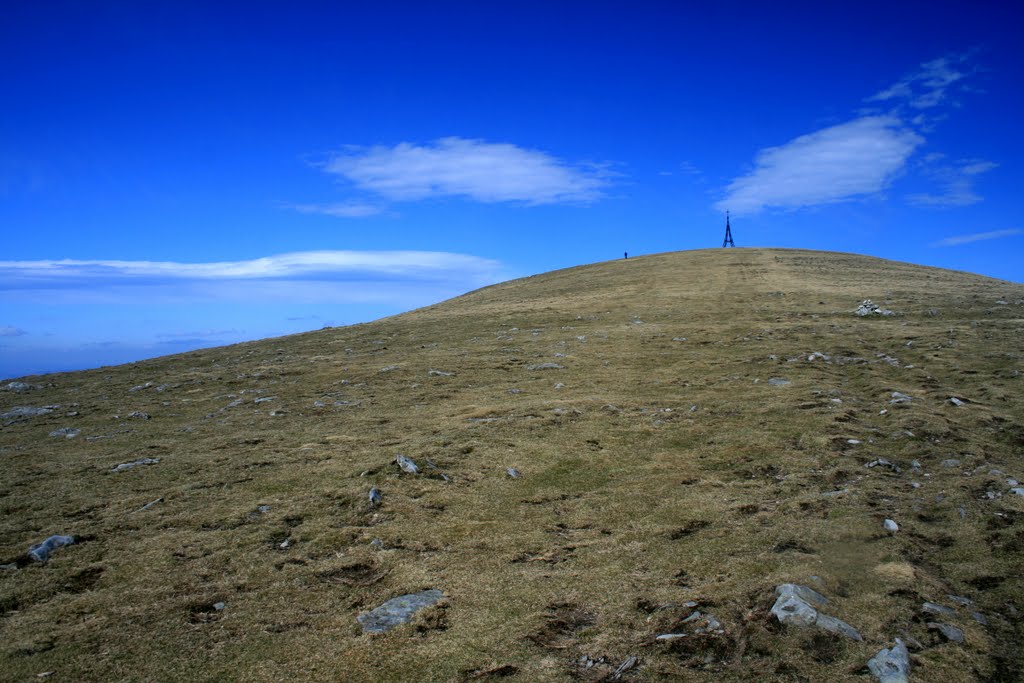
column 176, row 175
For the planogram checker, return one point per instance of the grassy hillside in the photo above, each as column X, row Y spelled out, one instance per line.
column 661, row 473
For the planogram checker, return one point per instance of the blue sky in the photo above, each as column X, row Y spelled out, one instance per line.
column 186, row 174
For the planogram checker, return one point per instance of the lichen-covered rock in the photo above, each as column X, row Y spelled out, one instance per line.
column 397, row 611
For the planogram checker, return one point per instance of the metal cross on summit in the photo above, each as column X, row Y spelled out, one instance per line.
column 728, row 233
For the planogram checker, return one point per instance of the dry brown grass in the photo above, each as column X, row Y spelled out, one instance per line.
column 662, row 472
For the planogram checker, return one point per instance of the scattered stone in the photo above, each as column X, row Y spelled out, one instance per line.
column 545, row 366
column 980, row 618
column 559, row 385
column 882, row 462
column 816, row 355
column 793, row 606
column 670, row 636
column 853, row 442
column 140, row 387
column 151, row 504
column 24, row 412
column 376, row 497
column 219, row 606
column 397, row 611
column 278, row 413
column 19, row 387
column 512, row 472
column 891, row 665
column 1017, row 491
column 960, row 600
column 951, row 633
column 377, row 544
column 625, row 666
column 678, row 339
column 915, row 465
column 389, row 368
column 40, row 552
column 128, row 465
column 951, row 462
column 285, row 544
column 956, row 401
column 778, row 382
column 891, row 526
column 898, row 397
column 138, row 415
column 263, row 509
column 264, row 399
column 515, row 391
column 868, row 307
column 406, row 464
column 940, row 610
column 439, row 373
column 66, row 432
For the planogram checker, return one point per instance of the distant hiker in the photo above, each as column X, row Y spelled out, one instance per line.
column 625, row 254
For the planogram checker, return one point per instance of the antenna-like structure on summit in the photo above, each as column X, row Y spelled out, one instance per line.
column 727, row 242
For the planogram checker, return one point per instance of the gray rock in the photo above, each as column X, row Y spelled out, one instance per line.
column 951, row 462
column 389, row 368
column 40, row 552
column 397, row 611
column 512, row 472
column 140, row 387
column 625, row 666
column 19, row 387
column 980, row 618
column 439, row 373
column 956, row 401
column 891, row 666
column 1017, row 491
column 882, row 462
column 837, row 626
column 128, row 465
column 66, row 432
column 23, row 412
column 670, row 636
column 545, row 366
column 951, row 633
column 778, row 382
column 960, row 600
column 559, row 386
column 898, row 397
column 940, row 610
column 891, row 526
column 868, row 307
column 406, row 464
column 264, row 399
column 219, row 606
column 793, row 606
column 376, row 497
column 138, row 415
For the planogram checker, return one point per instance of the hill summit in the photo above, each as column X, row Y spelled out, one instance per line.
column 720, row 465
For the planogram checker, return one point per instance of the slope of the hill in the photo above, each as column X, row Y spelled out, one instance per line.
column 714, row 424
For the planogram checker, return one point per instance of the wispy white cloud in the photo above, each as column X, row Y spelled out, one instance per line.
column 339, row 209
column 853, row 159
column 401, row 278
column 976, row 237
column 11, row 331
column 957, row 181
column 930, row 85
column 477, row 169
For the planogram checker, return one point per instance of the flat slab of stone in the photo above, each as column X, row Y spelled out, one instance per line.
column 891, row 665
column 397, row 611
column 793, row 606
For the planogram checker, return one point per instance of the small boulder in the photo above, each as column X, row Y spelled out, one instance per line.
column 950, row 633
column 66, row 432
column 891, row 665
column 397, row 611
column 40, row 552
column 891, row 526
column 406, row 464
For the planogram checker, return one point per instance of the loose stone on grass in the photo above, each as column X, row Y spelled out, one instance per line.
column 793, row 606
column 406, row 464
column 951, row 633
column 512, row 472
column 778, row 382
column 376, row 497
column 397, row 611
column 545, row 366
column 66, row 432
column 891, row 665
column 128, row 465
column 891, row 526
column 40, row 552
